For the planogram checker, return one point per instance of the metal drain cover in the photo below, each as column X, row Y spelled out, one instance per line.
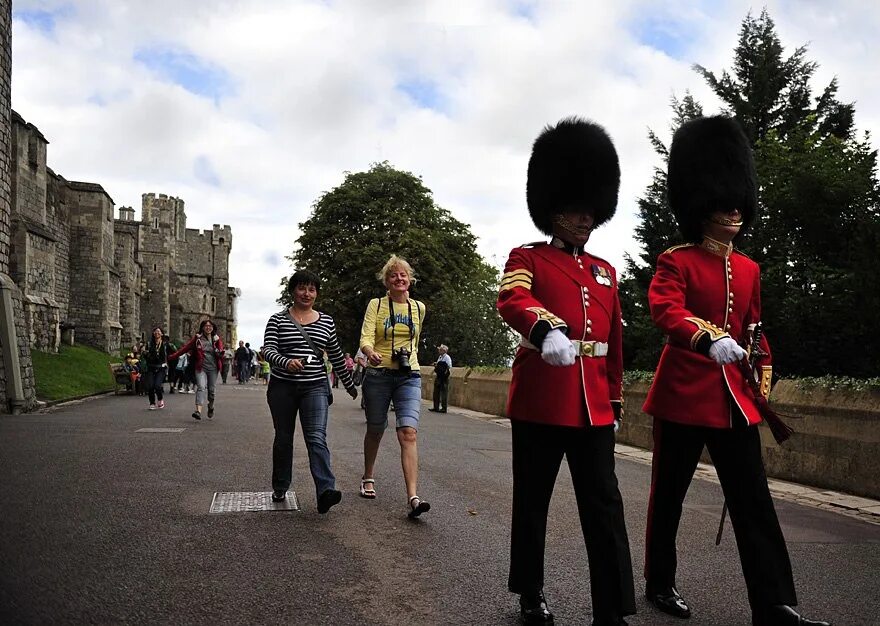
column 243, row 501
column 160, row 430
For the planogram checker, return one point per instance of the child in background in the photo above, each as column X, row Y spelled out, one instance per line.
column 264, row 371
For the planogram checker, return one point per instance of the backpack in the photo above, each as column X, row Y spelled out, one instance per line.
column 441, row 370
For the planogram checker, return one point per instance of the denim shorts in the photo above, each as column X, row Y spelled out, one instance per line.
column 380, row 387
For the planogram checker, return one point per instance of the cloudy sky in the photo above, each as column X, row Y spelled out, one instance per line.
column 249, row 110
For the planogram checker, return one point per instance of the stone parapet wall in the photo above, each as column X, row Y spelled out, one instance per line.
column 836, row 445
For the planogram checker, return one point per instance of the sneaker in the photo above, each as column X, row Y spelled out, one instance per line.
column 161, row 404
column 197, row 415
column 152, row 407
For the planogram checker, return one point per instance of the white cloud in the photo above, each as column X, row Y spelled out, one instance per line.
column 312, row 89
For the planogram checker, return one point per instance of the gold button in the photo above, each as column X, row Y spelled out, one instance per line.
column 589, row 330
column 730, row 310
column 731, row 294
column 586, row 296
column 586, row 303
column 727, row 327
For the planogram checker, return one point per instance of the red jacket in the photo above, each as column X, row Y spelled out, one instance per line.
column 193, row 346
column 543, row 288
column 701, row 293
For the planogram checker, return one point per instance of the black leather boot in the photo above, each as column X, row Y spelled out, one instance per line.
column 533, row 609
column 782, row 615
column 668, row 600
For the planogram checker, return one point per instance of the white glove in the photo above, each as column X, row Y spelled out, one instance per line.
column 616, row 425
column 557, row 349
column 726, row 350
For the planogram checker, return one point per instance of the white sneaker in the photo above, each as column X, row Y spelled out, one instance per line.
column 152, row 407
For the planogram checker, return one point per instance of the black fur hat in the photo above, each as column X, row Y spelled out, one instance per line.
column 573, row 167
column 710, row 168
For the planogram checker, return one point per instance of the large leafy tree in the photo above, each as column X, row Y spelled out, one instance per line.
column 818, row 228
column 352, row 231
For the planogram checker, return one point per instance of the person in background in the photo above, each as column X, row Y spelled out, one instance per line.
column 442, row 371
column 390, row 339
column 265, row 370
column 172, row 368
column 207, row 348
column 228, row 355
column 293, row 344
column 156, row 366
column 565, row 395
column 132, row 365
column 242, row 362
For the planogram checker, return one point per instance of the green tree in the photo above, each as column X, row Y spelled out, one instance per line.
column 355, row 227
column 818, row 227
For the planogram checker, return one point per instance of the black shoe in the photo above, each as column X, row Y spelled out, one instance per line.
column 782, row 615
column 434, row 410
column 328, row 499
column 197, row 415
column 210, row 412
column 669, row 601
column 279, row 496
column 533, row 609
column 442, row 411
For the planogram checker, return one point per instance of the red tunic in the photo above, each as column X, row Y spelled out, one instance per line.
column 543, row 288
column 701, row 293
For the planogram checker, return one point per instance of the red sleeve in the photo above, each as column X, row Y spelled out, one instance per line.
column 184, row 348
column 666, row 297
column 518, row 306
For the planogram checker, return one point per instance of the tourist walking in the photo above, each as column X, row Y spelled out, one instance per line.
column 156, row 356
column 390, row 340
column 205, row 352
column 242, row 362
column 293, row 344
column 442, row 372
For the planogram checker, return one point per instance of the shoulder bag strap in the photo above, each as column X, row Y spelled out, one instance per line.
column 305, row 335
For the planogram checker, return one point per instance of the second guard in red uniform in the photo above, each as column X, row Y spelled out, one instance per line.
column 706, row 297
column 565, row 394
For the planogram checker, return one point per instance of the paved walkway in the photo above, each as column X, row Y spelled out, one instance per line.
column 103, row 522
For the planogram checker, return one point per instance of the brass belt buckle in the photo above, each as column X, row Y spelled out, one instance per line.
column 587, row 348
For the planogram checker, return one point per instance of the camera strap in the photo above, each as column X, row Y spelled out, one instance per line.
column 305, row 335
column 412, row 328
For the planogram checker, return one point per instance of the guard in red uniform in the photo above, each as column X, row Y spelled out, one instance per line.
column 706, row 297
column 565, row 395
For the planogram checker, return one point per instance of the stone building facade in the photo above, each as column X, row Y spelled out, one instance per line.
column 109, row 279
column 16, row 370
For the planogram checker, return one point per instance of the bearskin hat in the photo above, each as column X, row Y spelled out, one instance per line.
column 710, row 169
column 573, row 167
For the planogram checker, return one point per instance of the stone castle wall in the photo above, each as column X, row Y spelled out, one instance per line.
column 20, row 351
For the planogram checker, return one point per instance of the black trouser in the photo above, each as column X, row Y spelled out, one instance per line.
column 154, row 378
column 537, row 454
column 736, row 453
column 441, row 393
column 224, row 370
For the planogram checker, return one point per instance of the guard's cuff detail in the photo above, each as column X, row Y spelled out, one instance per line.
column 704, row 329
column 516, row 278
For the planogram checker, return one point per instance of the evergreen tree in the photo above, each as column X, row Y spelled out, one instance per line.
column 818, row 225
column 352, row 231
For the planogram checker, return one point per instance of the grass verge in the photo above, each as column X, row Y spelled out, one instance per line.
column 75, row 371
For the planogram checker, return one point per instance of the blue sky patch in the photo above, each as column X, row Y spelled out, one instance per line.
column 43, row 21
column 204, row 171
column 425, row 93
column 663, row 34
column 187, row 70
column 524, row 9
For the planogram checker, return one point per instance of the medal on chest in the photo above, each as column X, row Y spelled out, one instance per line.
column 601, row 274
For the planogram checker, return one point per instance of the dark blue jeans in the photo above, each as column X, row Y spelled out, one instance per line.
column 309, row 400
column 153, row 380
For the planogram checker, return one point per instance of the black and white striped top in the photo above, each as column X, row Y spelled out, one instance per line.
column 283, row 342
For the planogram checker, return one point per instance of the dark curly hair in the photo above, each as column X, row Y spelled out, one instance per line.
column 304, row 277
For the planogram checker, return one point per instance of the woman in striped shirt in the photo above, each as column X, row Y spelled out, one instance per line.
column 298, row 384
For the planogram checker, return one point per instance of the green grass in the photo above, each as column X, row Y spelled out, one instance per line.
column 75, row 371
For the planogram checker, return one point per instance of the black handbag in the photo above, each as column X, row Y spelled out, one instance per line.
column 317, row 352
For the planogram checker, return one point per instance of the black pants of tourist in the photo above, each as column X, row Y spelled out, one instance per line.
column 537, row 455
column 441, row 394
column 224, row 371
column 154, row 378
column 736, row 454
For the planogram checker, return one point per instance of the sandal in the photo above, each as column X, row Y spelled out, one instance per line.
column 417, row 507
column 367, row 489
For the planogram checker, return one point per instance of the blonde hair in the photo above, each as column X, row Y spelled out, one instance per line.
column 390, row 264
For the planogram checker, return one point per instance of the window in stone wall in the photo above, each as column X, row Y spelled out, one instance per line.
column 204, row 302
column 213, row 304
column 33, row 151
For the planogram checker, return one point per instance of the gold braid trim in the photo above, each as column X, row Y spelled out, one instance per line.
column 547, row 316
column 766, row 378
column 516, row 278
column 704, row 327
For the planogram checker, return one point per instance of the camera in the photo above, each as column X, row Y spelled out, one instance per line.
column 401, row 356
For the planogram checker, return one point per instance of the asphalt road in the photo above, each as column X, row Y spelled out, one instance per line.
column 101, row 524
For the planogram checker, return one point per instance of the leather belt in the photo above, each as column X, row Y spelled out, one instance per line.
column 593, row 349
